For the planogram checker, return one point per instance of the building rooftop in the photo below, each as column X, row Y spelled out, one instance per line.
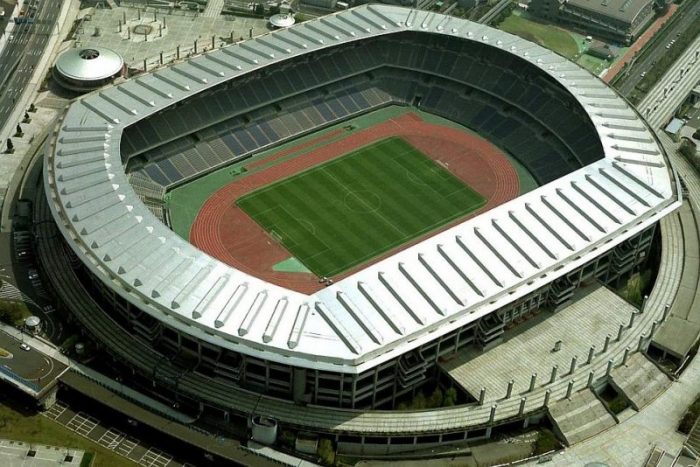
column 388, row 308
column 623, row 10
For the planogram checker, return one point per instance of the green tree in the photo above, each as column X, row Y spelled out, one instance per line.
column 419, row 401
column 687, row 149
column 259, row 9
column 326, row 451
column 435, row 399
column 450, row 398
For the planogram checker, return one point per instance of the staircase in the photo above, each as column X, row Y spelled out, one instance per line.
column 580, row 417
column 640, row 380
column 693, row 441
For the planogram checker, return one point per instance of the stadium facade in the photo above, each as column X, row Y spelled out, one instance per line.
column 376, row 335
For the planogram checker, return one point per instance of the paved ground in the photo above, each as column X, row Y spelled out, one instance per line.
column 584, row 323
column 168, row 31
column 109, row 437
column 19, row 454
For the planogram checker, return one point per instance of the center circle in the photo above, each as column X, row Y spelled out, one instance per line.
column 362, row 201
column 142, row 29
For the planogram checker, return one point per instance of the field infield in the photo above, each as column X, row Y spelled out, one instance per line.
column 252, row 224
column 344, row 212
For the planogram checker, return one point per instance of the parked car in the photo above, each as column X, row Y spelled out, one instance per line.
column 25, row 347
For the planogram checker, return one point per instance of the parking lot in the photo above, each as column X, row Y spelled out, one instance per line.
column 111, row 438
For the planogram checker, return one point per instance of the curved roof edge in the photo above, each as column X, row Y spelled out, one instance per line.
column 362, row 320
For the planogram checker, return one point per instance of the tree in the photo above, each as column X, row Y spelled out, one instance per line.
column 419, row 401
column 435, row 399
column 259, row 9
column 326, row 451
column 450, row 398
column 274, row 10
column 687, row 149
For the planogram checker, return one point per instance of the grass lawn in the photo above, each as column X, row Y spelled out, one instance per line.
column 548, row 36
column 36, row 428
column 344, row 212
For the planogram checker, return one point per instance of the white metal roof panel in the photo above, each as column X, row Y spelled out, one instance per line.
column 385, row 309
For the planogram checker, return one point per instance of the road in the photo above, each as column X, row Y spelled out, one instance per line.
column 686, row 16
column 661, row 102
column 22, row 53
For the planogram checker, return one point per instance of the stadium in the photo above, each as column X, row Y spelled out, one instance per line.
column 312, row 218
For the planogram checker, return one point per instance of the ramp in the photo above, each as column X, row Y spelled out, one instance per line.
column 580, row 417
column 640, row 380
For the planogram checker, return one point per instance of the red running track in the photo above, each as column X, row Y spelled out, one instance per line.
column 225, row 232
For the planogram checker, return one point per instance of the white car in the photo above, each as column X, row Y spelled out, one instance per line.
column 25, row 347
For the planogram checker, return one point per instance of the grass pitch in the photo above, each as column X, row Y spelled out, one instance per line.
column 344, row 212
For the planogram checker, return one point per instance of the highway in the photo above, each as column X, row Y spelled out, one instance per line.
column 22, row 53
column 661, row 102
column 685, row 17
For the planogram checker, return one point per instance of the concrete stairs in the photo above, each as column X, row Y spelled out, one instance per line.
column 693, row 441
column 580, row 417
column 639, row 380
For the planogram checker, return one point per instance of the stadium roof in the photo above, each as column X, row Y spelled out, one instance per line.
column 91, row 64
column 394, row 305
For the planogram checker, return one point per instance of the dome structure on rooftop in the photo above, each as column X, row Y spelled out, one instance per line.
column 85, row 69
column 282, row 20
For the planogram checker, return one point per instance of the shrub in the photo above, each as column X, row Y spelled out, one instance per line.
column 326, row 451
column 546, row 441
column 450, row 398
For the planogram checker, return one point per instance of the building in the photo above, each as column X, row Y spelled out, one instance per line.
column 84, row 70
column 231, row 345
column 616, row 20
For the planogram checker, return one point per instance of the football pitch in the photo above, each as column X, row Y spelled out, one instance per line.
column 349, row 210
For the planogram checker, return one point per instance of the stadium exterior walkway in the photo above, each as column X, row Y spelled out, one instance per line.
column 630, row 442
column 595, row 313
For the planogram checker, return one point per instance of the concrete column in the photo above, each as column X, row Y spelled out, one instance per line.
column 625, row 355
column 521, row 410
column 591, row 375
column 607, row 343
column 620, row 329
column 482, row 396
column 644, row 303
column 609, row 368
column 213, row 42
column 591, row 354
column 250, row 33
column 231, row 38
column 632, row 316
column 667, row 310
column 145, row 68
column 640, row 345
column 120, row 25
column 161, row 58
column 553, row 376
column 160, row 30
column 509, row 391
column 124, row 18
column 177, row 52
column 654, row 324
column 492, row 416
column 569, row 389
column 195, row 46
column 547, row 393
column 533, row 381
column 572, row 368
column 138, row 11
